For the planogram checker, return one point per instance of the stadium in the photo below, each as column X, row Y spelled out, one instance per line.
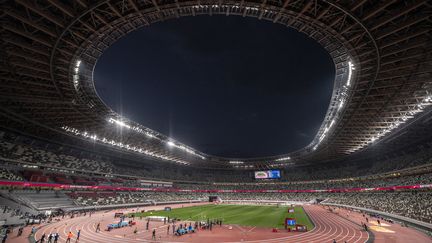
column 76, row 168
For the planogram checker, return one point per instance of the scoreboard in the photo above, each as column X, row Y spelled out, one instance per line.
column 268, row 174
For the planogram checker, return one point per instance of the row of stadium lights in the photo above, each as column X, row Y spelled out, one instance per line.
column 214, row 6
column 94, row 137
column 283, row 159
column 252, row 166
column 227, row 6
column 342, row 99
column 244, row 166
column 75, row 76
column 169, row 142
column 137, row 129
column 239, row 164
column 419, row 107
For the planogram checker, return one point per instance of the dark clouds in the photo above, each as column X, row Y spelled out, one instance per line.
column 228, row 86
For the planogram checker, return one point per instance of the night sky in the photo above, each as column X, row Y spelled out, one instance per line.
column 227, row 86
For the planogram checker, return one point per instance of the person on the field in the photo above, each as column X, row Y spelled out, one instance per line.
column 42, row 239
column 154, row 234
column 168, row 229
column 173, row 228
column 78, row 235
column 56, row 237
column 20, row 231
column 69, row 237
column 98, row 227
column 5, row 238
column 50, row 236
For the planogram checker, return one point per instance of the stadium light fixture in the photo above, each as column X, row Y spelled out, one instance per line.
column 236, row 162
column 119, row 123
column 283, row 159
column 341, row 104
column 184, row 148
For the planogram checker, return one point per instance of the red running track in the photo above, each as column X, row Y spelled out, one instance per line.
column 328, row 226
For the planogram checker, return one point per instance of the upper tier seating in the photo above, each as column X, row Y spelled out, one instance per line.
column 29, row 154
column 36, row 152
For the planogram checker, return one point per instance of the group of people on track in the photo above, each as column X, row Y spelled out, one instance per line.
column 54, row 237
column 173, row 226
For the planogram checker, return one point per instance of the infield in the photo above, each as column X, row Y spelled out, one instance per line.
column 245, row 215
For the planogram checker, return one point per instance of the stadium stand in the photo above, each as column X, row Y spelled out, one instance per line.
column 416, row 205
column 43, row 162
column 55, row 156
column 61, row 158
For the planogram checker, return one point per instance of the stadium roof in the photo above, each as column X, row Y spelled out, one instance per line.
column 381, row 51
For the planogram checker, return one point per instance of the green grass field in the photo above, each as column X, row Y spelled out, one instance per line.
column 246, row 215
